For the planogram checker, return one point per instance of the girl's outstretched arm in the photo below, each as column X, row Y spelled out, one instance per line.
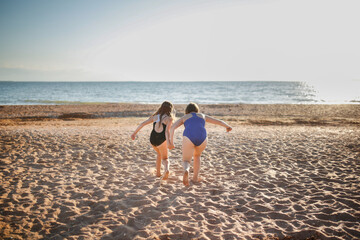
column 177, row 124
column 218, row 122
column 144, row 123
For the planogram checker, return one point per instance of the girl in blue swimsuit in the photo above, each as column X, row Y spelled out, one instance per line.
column 194, row 138
column 162, row 120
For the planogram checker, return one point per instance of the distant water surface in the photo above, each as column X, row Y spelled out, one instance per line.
column 256, row 92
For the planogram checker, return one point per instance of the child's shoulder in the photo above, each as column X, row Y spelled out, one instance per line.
column 187, row 116
column 201, row 115
column 155, row 118
column 166, row 118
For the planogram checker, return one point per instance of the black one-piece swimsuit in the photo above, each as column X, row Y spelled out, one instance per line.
column 157, row 138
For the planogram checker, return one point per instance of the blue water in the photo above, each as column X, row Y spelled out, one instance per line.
column 262, row 92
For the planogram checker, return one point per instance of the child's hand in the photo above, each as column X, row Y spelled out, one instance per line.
column 228, row 129
column 133, row 136
column 171, row 146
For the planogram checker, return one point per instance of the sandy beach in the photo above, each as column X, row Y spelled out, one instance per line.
column 284, row 172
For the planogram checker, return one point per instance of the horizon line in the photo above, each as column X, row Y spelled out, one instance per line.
column 144, row 81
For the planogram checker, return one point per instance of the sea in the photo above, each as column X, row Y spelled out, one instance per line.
column 246, row 92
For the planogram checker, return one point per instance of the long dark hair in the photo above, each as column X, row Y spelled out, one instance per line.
column 165, row 108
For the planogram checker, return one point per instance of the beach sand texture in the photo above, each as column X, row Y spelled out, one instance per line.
column 293, row 175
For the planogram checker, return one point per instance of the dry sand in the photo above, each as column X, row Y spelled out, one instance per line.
column 285, row 171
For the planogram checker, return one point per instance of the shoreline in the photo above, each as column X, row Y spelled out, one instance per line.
column 253, row 114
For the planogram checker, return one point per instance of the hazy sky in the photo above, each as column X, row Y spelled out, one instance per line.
column 187, row 40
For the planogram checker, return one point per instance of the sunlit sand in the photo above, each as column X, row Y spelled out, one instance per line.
column 292, row 174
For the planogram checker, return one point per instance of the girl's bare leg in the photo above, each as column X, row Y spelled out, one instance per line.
column 165, row 160
column 197, row 157
column 158, row 161
column 187, row 152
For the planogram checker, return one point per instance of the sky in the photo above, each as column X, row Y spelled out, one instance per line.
column 314, row 41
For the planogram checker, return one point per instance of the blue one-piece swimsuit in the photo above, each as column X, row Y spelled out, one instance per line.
column 195, row 129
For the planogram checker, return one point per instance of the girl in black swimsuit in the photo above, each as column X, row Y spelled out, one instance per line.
column 162, row 120
column 157, row 138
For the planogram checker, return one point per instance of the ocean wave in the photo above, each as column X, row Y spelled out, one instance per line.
column 60, row 102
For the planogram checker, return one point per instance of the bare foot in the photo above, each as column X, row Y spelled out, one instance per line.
column 166, row 175
column 186, row 178
column 158, row 175
column 198, row 180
